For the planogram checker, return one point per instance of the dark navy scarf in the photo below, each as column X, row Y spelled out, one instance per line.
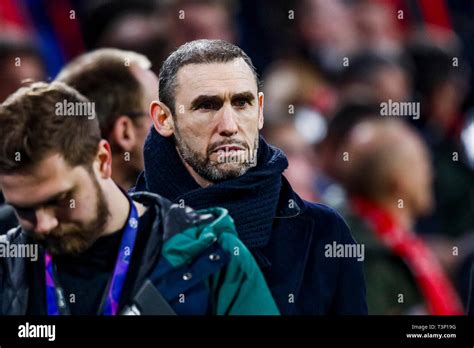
column 251, row 199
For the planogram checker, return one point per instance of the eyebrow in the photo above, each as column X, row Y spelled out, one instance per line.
column 244, row 95
column 56, row 197
column 217, row 99
column 205, row 98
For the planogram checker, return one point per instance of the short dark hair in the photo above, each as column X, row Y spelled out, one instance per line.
column 31, row 128
column 105, row 78
column 434, row 66
column 347, row 117
column 196, row 52
column 365, row 65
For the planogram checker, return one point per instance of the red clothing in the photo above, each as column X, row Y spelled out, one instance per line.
column 435, row 286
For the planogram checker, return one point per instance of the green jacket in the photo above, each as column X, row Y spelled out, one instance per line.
column 237, row 289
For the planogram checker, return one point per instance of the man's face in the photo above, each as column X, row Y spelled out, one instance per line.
column 218, row 115
column 61, row 207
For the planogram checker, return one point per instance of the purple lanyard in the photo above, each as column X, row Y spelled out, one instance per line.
column 54, row 294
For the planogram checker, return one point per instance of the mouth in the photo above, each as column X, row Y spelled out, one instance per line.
column 229, row 148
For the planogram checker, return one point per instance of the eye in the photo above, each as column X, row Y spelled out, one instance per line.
column 60, row 203
column 23, row 211
column 64, row 201
column 241, row 102
column 208, row 105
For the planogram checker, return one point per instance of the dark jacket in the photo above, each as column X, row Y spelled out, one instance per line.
column 8, row 218
column 205, row 274
column 302, row 280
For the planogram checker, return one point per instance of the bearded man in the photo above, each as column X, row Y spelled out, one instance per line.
column 205, row 150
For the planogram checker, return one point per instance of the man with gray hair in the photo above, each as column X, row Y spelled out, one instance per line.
column 205, row 150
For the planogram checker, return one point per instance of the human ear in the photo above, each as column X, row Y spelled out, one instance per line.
column 260, row 110
column 162, row 118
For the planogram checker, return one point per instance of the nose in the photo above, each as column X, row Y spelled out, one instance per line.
column 45, row 221
column 227, row 125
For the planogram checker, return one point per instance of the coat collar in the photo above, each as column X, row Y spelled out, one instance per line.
column 289, row 204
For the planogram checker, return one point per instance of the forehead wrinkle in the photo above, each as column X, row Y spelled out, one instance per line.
column 206, row 87
column 206, row 82
column 198, row 73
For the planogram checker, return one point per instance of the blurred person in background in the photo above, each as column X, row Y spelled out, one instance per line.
column 441, row 78
column 327, row 33
column 304, row 87
column 296, row 118
column 200, row 19
column 381, row 77
column 440, row 81
column 377, row 26
column 300, row 172
column 20, row 62
column 330, row 151
column 154, row 29
column 122, row 86
column 139, row 26
column 388, row 178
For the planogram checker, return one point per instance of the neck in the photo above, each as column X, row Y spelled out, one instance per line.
column 121, row 174
column 402, row 215
column 199, row 179
column 119, row 207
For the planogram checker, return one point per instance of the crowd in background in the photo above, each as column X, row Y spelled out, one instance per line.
column 404, row 183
